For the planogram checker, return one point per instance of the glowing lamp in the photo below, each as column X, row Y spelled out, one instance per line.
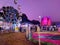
column 46, row 21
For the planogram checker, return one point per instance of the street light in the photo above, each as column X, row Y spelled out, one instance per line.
column 40, row 18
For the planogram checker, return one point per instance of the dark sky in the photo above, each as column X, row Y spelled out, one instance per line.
column 36, row 8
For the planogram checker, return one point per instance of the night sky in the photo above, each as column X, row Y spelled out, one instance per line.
column 35, row 8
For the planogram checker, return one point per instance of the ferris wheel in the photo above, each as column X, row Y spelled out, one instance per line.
column 15, row 1
column 18, row 5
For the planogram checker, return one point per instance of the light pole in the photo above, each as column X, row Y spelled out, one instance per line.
column 39, row 30
column 40, row 19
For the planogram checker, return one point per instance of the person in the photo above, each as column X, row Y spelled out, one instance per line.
column 16, row 28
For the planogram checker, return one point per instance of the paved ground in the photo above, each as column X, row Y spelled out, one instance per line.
column 14, row 39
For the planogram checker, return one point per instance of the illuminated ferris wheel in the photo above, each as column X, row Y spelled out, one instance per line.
column 18, row 5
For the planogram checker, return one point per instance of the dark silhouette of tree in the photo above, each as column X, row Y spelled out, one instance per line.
column 24, row 18
column 35, row 22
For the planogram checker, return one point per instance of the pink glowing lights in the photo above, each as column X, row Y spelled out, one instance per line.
column 46, row 21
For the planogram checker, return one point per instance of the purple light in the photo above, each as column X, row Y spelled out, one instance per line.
column 46, row 21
